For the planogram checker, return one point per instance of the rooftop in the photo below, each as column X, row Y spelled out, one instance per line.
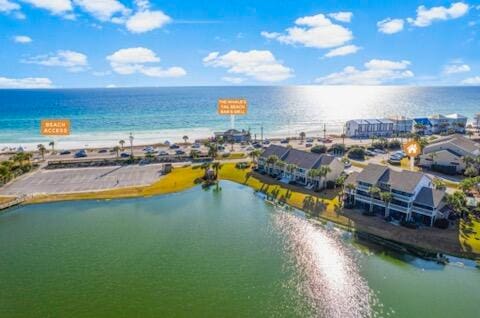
column 430, row 197
column 303, row 159
column 459, row 141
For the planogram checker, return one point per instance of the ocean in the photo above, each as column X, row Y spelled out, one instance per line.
column 101, row 117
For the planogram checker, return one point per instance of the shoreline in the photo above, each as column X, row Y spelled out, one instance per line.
column 182, row 178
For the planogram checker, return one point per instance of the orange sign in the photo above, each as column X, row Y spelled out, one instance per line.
column 232, row 106
column 412, row 149
column 55, row 127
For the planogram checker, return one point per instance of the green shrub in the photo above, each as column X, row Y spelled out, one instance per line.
column 356, row 153
column 319, row 149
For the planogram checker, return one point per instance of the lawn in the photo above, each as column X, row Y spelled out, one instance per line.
column 469, row 235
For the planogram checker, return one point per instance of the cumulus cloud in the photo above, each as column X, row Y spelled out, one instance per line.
column 342, row 51
column 56, row 7
column 22, row 39
column 375, row 72
column 472, row 81
column 316, row 31
column 103, row 10
column 341, row 16
column 426, row 17
column 390, row 26
column 141, row 60
column 455, row 67
column 259, row 65
column 144, row 21
column 27, row 82
column 71, row 60
column 7, row 6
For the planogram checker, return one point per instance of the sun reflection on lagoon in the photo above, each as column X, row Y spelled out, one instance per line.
column 329, row 269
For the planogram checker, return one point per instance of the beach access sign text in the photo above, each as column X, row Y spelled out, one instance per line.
column 55, row 127
column 232, row 106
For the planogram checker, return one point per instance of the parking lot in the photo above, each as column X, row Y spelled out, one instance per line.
column 83, row 179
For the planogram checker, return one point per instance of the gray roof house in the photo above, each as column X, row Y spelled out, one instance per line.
column 304, row 162
column 413, row 195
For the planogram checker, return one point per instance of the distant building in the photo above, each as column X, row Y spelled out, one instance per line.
column 447, row 154
column 454, row 123
column 234, row 135
column 413, row 195
column 302, row 162
column 366, row 128
column 422, row 126
column 402, row 125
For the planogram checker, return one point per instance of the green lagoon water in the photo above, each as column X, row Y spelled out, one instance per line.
column 207, row 254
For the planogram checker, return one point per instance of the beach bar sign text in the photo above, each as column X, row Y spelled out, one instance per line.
column 232, row 106
column 55, row 127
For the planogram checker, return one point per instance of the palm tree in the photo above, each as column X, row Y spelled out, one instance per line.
column 343, row 139
column 52, row 144
column 291, row 168
column 216, row 166
column 470, row 134
column 458, row 202
column 212, row 150
column 311, row 174
column 272, row 160
column 116, row 149
column 185, row 138
column 323, row 172
column 41, row 148
column 302, row 136
column 374, row 191
column 122, row 143
column 387, row 198
column 351, row 188
column 439, row 184
column 255, row 154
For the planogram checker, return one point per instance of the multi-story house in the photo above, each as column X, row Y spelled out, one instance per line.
column 295, row 165
column 449, row 123
column 412, row 196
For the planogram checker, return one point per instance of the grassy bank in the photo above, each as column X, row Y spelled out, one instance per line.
column 469, row 235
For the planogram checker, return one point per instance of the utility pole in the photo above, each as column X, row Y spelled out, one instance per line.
column 324, row 132
column 261, row 133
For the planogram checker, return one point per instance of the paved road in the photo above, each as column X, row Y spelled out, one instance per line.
column 83, row 179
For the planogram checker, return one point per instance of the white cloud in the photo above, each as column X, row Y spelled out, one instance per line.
column 259, row 65
column 28, row 82
column 342, row 51
column 390, row 26
column 111, row 86
column 454, row 68
column 315, row 31
column 376, row 72
column 22, row 39
column 71, row 60
column 7, row 6
column 54, row 6
column 103, row 10
column 426, row 17
column 144, row 21
column 233, row 80
column 341, row 16
column 137, row 59
column 472, row 81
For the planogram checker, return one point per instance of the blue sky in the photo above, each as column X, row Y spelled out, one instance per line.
column 101, row 43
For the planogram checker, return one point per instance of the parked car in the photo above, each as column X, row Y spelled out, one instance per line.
column 284, row 141
column 370, row 153
column 174, row 146
column 309, row 139
column 179, row 152
column 266, row 142
column 250, row 148
column 124, row 155
column 65, row 152
column 103, row 151
column 196, row 145
column 81, row 154
column 380, row 151
column 162, row 153
column 308, row 145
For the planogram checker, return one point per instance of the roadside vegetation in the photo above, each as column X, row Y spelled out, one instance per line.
column 17, row 165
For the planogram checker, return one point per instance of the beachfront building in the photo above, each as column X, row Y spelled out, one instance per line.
column 411, row 194
column 233, row 135
column 422, row 126
column 366, row 128
column 447, row 154
column 454, row 123
column 304, row 168
column 402, row 125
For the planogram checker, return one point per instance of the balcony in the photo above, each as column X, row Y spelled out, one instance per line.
column 417, row 209
column 398, row 207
